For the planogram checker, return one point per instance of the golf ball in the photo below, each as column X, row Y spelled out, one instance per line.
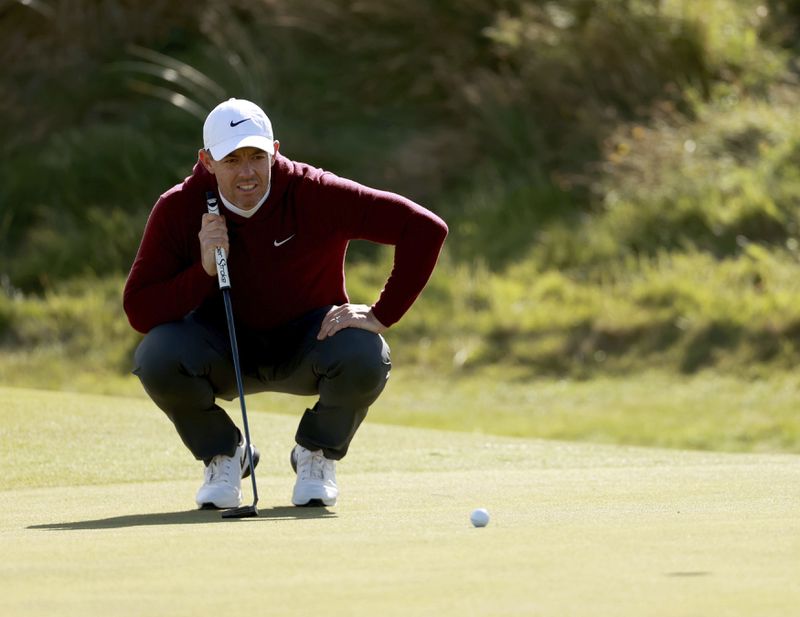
column 479, row 517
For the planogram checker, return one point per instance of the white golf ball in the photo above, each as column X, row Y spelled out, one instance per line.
column 479, row 517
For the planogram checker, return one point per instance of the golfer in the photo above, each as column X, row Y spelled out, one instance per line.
column 285, row 227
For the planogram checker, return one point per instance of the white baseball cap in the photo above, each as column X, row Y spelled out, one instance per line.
column 237, row 123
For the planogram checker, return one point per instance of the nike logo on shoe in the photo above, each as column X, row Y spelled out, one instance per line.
column 245, row 464
column 277, row 243
column 239, row 122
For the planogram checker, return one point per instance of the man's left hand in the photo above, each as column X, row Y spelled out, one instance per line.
column 349, row 316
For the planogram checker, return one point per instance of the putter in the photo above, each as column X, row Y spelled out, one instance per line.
column 225, row 286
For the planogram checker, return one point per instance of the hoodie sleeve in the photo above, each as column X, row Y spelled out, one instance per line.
column 417, row 234
column 167, row 279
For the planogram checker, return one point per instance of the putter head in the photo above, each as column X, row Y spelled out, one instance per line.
column 242, row 512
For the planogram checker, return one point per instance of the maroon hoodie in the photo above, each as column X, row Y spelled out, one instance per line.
column 288, row 258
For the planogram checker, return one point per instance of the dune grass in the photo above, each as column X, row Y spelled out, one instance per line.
column 615, row 361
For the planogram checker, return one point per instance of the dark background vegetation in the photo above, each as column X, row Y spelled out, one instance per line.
column 621, row 177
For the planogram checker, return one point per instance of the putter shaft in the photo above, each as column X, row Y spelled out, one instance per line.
column 237, row 369
column 225, row 285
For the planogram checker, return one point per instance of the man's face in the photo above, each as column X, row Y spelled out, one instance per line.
column 242, row 176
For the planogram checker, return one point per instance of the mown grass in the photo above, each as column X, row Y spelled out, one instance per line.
column 708, row 411
column 124, row 538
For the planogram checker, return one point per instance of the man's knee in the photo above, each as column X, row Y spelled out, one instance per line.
column 159, row 356
column 362, row 358
column 183, row 360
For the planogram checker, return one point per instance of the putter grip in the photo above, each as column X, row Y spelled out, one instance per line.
column 221, row 259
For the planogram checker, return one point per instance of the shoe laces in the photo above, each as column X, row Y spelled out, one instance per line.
column 221, row 469
column 314, row 466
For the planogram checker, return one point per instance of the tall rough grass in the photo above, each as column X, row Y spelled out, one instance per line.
column 513, row 99
column 620, row 178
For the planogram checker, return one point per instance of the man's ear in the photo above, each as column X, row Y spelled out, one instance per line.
column 205, row 158
column 274, row 156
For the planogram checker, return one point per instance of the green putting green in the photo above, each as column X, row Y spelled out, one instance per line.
column 98, row 519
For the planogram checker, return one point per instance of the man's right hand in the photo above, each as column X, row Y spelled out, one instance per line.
column 213, row 233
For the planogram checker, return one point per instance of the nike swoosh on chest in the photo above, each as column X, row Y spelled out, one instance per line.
column 280, row 242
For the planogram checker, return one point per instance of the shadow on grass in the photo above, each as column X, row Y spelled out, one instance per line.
column 188, row 517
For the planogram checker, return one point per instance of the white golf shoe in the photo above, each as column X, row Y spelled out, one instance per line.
column 316, row 478
column 222, row 487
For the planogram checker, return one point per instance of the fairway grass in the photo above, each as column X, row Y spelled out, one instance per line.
column 99, row 520
column 704, row 411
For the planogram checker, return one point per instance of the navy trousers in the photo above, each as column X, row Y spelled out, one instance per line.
column 186, row 365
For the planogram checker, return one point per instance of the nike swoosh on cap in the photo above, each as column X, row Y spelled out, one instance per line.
column 239, row 122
